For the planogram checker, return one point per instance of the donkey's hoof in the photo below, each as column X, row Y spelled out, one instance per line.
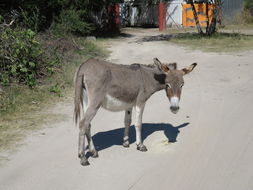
column 126, row 144
column 94, row 154
column 84, row 162
column 142, row 148
column 80, row 155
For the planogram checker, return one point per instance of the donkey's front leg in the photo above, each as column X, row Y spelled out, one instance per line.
column 128, row 120
column 138, row 127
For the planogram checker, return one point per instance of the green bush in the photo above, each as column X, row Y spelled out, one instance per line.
column 248, row 11
column 71, row 21
column 31, row 19
column 57, row 89
column 248, row 4
column 21, row 57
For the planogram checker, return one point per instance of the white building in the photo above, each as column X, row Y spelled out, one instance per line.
column 174, row 13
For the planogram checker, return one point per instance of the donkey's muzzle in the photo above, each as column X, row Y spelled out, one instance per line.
column 174, row 102
column 174, row 109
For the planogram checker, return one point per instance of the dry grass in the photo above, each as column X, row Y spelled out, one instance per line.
column 219, row 42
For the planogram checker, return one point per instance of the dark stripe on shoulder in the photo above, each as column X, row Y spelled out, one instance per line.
column 160, row 78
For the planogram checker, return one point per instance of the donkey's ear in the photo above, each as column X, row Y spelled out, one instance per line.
column 161, row 66
column 189, row 69
column 172, row 66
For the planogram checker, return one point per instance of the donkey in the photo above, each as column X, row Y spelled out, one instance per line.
column 122, row 88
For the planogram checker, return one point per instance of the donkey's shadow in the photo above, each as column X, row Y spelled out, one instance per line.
column 104, row 140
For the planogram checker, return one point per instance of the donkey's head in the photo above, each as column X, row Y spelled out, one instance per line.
column 173, row 81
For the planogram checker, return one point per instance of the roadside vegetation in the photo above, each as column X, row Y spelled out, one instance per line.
column 21, row 103
column 218, row 42
column 41, row 45
column 247, row 12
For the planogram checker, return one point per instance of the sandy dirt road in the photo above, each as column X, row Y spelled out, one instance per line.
column 211, row 137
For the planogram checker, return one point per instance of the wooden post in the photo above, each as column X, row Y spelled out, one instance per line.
column 114, row 18
column 161, row 16
column 110, row 18
column 117, row 14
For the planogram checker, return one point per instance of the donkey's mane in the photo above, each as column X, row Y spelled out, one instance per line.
column 152, row 65
column 145, row 65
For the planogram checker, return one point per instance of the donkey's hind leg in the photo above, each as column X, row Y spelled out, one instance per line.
column 83, row 130
column 81, row 143
column 92, row 148
column 128, row 120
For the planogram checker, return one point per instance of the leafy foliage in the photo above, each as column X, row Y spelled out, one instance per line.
column 70, row 21
column 39, row 15
column 248, row 4
column 57, row 89
column 31, row 19
column 248, row 11
column 21, row 57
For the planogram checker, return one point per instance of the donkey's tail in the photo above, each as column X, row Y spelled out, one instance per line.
column 78, row 99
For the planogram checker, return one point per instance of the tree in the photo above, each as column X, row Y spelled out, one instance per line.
column 210, row 28
column 39, row 15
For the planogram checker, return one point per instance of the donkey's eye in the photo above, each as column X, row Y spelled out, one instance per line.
column 181, row 85
column 168, row 85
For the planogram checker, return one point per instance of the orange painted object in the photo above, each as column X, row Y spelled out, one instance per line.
column 188, row 17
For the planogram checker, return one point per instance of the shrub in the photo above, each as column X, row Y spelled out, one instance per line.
column 71, row 21
column 248, row 11
column 31, row 19
column 21, row 57
column 248, row 4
